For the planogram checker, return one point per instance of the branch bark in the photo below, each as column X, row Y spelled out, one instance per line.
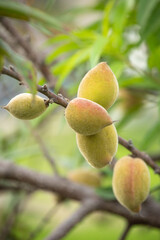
column 58, row 99
column 85, row 209
column 129, row 145
column 125, row 232
column 71, row 190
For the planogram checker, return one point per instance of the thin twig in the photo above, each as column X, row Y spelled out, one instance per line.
column 129, row 145
column 126, row 231
column 58, row 99
column 44, row 221
column 85, row 209
column 43, row 148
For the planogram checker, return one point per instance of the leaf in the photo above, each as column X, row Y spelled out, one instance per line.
column 67, row 66
column 153, row 23
column 151, row 135
column 56, row 39
column 21, row 11
column 97, row 49
column 154, row 58
column 60, row 50
column 145, row 9
column 105, row 21
column 106, row 193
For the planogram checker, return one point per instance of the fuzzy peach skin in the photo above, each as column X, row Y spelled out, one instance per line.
column 131, row 182
column 85, row 177
column 99, row 85
column 99, row 149
column 86, row 117
column 26, row 106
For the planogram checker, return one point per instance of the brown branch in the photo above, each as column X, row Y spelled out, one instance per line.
column 65, row 188
column 125, row 232
column 85, row 209
column 43, row 148
column 37, row 59
column 129, row 145
column 58, row 99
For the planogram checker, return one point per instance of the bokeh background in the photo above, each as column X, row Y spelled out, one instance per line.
column 123, row 33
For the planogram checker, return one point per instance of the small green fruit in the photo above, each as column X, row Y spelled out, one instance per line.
column 131, row 182
column 99, row 85
column 86, row 177
column 99, row 149
column 26, row 106
column 86, row 117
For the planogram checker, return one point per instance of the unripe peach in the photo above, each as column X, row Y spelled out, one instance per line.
column 86, row 117
column 131, row 182
column 99, row 85
column 99, row 149
column 86, row 177
column 26, row 106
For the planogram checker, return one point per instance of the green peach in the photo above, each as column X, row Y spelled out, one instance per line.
column 99, row 85
column 131, row 182
column 26, row 106
column 99, row 149
column 86, row 117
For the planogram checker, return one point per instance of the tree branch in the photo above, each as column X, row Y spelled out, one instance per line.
column 58, row 99
column 85, row 209
column 71, row 190
column 126, row 231
column 129, row 145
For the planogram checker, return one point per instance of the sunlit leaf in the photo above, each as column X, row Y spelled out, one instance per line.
column 67, row 47
column 97, row 49
column 67, row 66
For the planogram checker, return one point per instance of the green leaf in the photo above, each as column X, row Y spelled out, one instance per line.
column 63, row 69
column 153, row 23
column 97, row 49
column 22, row 11
column 106, row 193
column 60, row 50
column 105, row 22
column 154, row 58
column 151, row 135
column 144, row 12
column 56, row 39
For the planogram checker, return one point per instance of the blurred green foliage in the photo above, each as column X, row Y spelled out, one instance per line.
column 123, row 33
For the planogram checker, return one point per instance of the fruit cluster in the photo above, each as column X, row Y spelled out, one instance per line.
column 97, row 138
column 87, row 114
column 96, row 134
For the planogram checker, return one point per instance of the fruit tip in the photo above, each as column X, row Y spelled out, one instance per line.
column 5, row 107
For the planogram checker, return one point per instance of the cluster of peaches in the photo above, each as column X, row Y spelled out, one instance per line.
column 96, row 134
